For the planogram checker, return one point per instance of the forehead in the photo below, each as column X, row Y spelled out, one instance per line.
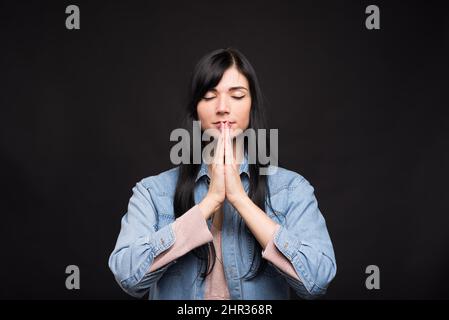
column 232, row 78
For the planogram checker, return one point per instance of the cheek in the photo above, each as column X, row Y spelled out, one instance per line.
column 203, row 114
column 201, row 111
column 243, row 115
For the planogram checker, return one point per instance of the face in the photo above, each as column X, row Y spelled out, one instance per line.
column 228, row 104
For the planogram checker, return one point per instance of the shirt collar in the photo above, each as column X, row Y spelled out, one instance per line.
column 244, row 167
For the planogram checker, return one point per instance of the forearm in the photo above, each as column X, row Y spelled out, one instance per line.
column 208, row 206
column 264, row 229
column 260, row 225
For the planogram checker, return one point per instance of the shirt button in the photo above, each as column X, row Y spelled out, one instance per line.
column 162, row 241
column 286, row 245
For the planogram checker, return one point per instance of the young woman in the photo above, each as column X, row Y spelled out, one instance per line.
column 222, row 230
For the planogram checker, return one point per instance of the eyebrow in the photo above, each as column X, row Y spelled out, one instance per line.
column 237, row 88
column 231, row 89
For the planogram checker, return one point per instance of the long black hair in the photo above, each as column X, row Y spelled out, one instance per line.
column 205, row 76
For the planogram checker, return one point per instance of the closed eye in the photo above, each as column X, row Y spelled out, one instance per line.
column 210, row 98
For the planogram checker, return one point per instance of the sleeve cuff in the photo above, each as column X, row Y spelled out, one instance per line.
column 190, row 231
column 272, row 254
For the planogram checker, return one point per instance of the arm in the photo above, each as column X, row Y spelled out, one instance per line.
column 190, row 231
column 264, row 230
column 303, row 239
column 138, row 243
column 272, row 254
column 258, row 222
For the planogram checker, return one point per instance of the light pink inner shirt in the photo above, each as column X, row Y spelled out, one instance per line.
column 216, row 287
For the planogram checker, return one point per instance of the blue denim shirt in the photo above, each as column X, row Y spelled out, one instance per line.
column 146, row 231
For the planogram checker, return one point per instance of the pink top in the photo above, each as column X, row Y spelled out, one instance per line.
column 216, row 287
column 191, row 231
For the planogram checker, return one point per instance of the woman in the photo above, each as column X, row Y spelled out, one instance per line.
column 222, row 230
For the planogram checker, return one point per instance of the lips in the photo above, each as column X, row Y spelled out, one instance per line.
column 223, row 124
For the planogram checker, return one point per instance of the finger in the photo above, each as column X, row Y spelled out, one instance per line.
column 219, row 151
column 226, row 147
column 229, row 158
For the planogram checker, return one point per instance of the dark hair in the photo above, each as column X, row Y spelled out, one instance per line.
column 206, row 75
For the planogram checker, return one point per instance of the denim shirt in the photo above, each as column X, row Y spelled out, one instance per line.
column 146, row 231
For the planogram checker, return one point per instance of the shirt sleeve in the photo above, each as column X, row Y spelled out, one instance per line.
column 273, row 255
column 140, row 241
column 304, row 240
column 190, row 231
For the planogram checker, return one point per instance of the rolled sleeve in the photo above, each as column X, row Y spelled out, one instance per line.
column 139, row 243
column 273, row 255
column 190, row 231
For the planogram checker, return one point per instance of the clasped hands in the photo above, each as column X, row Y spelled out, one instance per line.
column 225, row 182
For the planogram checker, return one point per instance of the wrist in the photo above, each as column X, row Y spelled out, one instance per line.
column 239, row 200
column 208, row 206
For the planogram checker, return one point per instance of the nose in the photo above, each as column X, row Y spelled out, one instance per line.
column 222, row 107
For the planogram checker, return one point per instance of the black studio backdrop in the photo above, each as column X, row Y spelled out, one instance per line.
column 362, row 114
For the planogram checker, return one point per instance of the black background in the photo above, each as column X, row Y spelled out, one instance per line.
column 362, row 114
